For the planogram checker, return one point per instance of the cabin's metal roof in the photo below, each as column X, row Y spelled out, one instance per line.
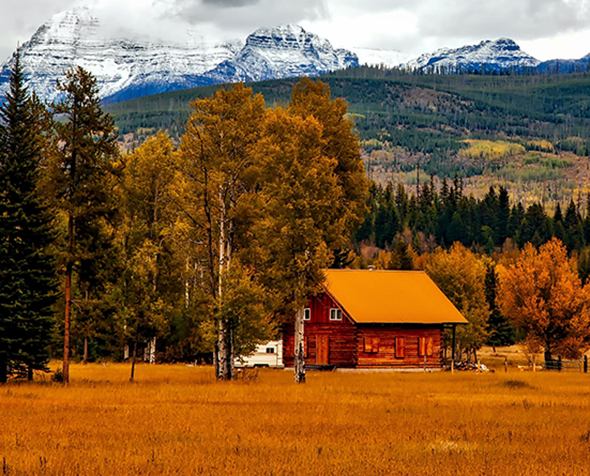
column 390, row 297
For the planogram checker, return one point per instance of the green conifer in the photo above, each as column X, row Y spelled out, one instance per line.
column 27, row 271
column 81, row 178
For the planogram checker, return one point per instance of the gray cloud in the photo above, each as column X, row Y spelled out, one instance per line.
column 230, row 3
column 412, row 26
column 244, row 16
column 19, row 19
column 525, row 19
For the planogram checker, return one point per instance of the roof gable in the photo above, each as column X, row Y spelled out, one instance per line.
column 390, row 297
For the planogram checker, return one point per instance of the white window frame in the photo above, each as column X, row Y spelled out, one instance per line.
column 307, row 314
column 335, row 314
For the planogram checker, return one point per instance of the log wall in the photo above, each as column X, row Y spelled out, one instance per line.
column 376, row 346
column 342, row 335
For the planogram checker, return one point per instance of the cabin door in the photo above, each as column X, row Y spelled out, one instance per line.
column 323, row 349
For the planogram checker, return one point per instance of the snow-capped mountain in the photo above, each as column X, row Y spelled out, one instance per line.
column 282, row 52
column 125, row 69
column 502, row 53
column 122, row 68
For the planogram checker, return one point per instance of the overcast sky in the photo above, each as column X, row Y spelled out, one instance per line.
column 545, row 29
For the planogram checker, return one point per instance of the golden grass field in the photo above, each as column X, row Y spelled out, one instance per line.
column 179, row 420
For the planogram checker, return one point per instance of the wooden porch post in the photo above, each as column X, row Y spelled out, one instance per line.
column 453, row 350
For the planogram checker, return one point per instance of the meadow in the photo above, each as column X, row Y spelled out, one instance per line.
column 177, row 420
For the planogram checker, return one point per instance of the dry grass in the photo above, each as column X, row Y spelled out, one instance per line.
column 178, row 420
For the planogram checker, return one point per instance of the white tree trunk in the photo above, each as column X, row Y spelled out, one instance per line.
column 299, row 373
column 152, row 352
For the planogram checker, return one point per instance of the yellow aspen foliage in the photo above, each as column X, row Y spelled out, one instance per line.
column 149, row 279
column 382, row 260
column 219, row 172
column 341, row 144
column 543, row 296
column 460, row 274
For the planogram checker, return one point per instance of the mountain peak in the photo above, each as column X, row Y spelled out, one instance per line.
column 283, row 51
column 287, row 36
column 501, row 53
column 71, row 23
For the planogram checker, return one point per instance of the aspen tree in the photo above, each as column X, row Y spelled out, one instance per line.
column 149, row 284
column 218, row 170
column 315, row 193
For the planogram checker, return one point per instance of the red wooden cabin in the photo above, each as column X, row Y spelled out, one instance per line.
column 375, row 319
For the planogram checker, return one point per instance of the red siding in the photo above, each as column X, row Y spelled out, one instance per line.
column 364, row 345
column 342, row 345
column 386, row 356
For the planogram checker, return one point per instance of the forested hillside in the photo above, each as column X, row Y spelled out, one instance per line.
column 529, row 133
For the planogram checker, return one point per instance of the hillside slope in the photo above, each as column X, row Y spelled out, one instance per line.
column 440, row 124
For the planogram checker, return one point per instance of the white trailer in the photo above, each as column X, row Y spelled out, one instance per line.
column 269, row 354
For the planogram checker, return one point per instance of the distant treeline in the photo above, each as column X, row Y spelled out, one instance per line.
column 440, row 217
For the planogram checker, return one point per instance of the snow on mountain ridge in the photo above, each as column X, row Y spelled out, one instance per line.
column 72, row 38
column 125, row 68
column 501, row 53
column 282, row 52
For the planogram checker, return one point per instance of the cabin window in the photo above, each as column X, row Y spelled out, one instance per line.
column 425, row 346
column 371, row 345
column 270, row 350
column 307, row 314
column 335, row 314
column 400, row 347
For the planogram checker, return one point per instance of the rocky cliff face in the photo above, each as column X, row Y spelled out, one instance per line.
column 282, row 52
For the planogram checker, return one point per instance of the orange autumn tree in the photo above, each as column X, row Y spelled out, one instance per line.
column 543, row 296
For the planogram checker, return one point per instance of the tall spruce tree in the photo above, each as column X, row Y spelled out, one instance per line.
column 81, row 176
column 27, row 271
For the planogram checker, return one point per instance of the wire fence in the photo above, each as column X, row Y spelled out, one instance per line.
column 560, row 365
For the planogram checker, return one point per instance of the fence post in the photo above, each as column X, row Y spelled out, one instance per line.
column 585, row 364
column 505, row 364
column 559, row 363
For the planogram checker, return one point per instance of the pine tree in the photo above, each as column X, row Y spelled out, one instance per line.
column 401, row 258
column 503, row 215
column 27, row 271
column 80, row 176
